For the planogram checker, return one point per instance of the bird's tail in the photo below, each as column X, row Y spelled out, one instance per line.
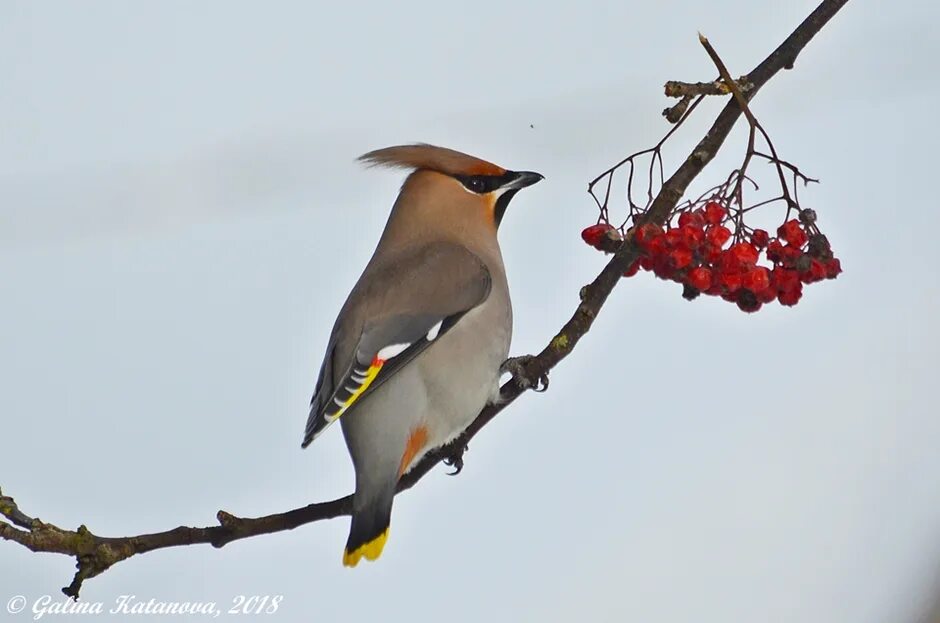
column 369, row 531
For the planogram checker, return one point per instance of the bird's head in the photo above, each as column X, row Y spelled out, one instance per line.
column 451, row 185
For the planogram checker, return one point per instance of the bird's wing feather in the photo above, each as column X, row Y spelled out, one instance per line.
column 401, row 310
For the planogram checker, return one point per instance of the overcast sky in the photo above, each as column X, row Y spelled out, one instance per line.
column 181, row 218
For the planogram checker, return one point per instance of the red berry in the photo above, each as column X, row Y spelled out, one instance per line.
column 673, row 238
column 657, row 246
column 833, row 268
column 632, row 269
column 760, row 238
column 715, row 289
column 816, row 272
column 680, row 258
column 711, row 253
column 756, row 279
column 791, row 255
column 692, row 236
column 730, row 282
column 786, row 279
column 717, row 235
column 793, row 233
column 644, row 234
column 775, row 251
column 744, row 254
column 700, row 278
column 662, row 267
column 646, row 263
column 595, row 234
column 790, row 297
column 714, row 213
column 766, row 295
column 693, row 219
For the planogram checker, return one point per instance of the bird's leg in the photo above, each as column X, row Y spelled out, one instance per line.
column 453, row 456
column 516, row 366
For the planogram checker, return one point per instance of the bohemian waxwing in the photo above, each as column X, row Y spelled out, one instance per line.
column 416, row 351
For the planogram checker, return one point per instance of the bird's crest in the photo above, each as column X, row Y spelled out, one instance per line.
column 424, row 156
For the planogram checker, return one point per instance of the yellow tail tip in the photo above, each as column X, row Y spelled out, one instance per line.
column 371, row 550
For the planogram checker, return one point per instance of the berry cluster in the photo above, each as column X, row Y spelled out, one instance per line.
column 699, row 251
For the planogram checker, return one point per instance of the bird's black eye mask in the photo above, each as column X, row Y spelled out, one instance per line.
column 482, row 184
column 509, row 183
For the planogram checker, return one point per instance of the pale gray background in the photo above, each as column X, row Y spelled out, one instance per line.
column 181, row 218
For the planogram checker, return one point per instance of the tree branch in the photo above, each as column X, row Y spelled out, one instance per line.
column 96, row 554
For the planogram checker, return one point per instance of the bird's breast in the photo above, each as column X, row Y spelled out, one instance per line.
column 461, row 372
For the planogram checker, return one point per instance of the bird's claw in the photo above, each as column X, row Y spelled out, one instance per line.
column 453, row 457
column 516, row 366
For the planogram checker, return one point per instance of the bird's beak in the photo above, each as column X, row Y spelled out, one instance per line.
column 521, row 179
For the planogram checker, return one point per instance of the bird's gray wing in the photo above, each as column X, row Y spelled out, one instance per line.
column 394, row 313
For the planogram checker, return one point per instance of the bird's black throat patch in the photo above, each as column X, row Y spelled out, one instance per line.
column 502, row 203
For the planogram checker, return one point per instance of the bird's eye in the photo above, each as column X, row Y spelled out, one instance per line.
column 476, row 184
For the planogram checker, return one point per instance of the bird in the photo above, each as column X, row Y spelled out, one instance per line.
column 418, row 347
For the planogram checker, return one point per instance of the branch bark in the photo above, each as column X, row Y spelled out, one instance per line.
column 95, row 554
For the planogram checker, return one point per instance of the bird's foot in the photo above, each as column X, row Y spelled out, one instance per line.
column 453, row 456
column 516, row 366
